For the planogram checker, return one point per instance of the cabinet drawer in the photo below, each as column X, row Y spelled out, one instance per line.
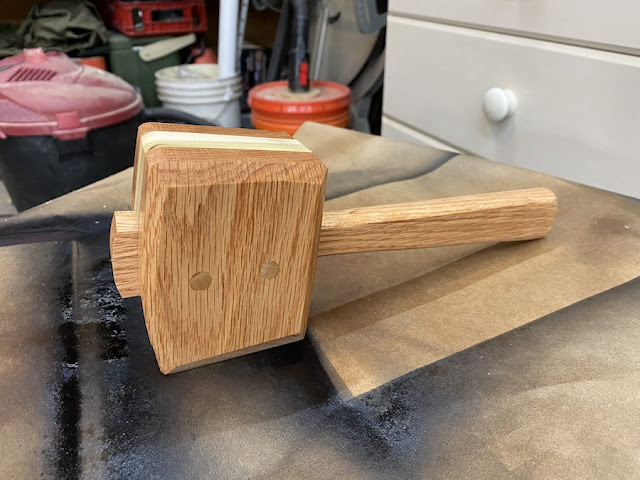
column 577, row 114
column 611, row 25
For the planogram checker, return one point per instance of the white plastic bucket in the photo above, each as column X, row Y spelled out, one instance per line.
column 196, row 89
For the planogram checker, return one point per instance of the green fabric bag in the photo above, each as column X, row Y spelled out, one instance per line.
column 62, row 24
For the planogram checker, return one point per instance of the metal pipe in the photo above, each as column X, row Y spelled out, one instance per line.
column 298, row 55
column 320, row 39
column 227, row 38
column 242, row 24
column 279, row 44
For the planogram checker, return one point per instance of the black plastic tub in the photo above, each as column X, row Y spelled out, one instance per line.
column 38, row 168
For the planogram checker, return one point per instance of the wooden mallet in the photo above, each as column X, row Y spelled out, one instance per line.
column 226, row 226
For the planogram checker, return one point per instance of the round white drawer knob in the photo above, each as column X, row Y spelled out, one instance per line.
column 499, row 104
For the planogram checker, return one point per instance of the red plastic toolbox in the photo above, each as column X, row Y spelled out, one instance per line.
column 147, row 18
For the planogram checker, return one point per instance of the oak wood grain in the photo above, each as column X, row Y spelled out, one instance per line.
column 172, row 127
column 227, row 226
column 123, row 242
column 222, row 241
column 229, row 218
column 489, row 217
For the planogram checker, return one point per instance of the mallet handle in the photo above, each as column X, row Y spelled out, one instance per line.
column 488, row 217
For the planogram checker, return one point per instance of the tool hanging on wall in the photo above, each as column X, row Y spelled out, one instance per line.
column 227, row 225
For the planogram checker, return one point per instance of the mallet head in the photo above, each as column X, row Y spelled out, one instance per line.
column 221, row 243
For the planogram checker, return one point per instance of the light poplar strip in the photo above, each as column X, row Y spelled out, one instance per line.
column 154, row 139
column 213, row 140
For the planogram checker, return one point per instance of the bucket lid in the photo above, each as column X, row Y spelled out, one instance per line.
column 275, row 97
column 46, row 93
column 192, row 74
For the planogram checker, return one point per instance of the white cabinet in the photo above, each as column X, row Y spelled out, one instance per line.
column 567, row 110
column 610, row 24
